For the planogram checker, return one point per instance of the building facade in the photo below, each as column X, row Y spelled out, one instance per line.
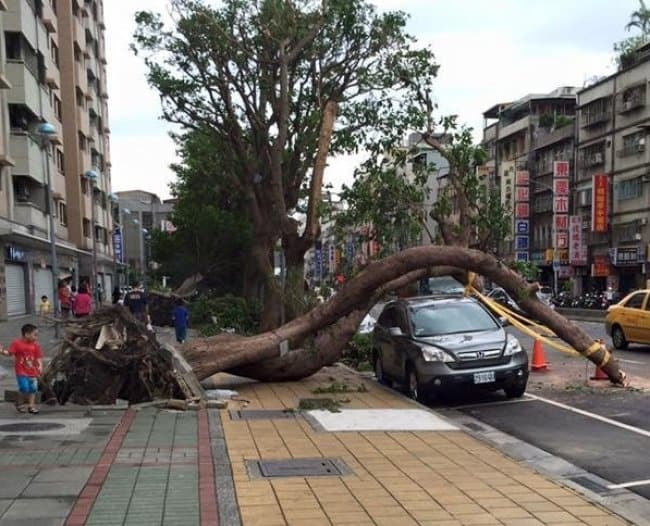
column 527, row 141
column 613, row 176
column 49, row 52
column 138, row 214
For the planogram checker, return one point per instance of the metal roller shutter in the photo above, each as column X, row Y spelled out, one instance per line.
column 108, row 287
column 42, row 285
column 15, row 280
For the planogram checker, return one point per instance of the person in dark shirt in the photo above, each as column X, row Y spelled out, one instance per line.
column 136, row 302
column 181, row 318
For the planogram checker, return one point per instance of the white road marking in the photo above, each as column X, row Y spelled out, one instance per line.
column 606, row 420
column 630, row 484
column 632, row 361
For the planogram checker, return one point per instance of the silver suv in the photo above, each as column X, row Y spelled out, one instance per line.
column 437, row 344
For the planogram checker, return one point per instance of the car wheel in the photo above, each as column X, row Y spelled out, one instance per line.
column 379, row 371
column 412, row 383
column 618, row 338
column 515, row 390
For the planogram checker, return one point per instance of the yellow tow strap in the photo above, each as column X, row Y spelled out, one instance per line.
column 518, row 320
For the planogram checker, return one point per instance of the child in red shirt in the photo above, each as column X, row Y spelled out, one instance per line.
column 29, row 364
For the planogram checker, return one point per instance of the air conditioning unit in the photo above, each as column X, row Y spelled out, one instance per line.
column 640, row 147
column 638, row 237
column 643, row 221
column 597, row 157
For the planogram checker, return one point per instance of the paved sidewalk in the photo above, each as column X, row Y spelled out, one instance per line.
column 105, row 466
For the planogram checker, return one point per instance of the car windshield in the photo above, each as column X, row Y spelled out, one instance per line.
column 450, row 318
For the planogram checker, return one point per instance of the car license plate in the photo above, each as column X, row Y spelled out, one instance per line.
column 484, row 378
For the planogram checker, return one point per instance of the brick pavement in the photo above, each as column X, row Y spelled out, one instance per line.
column 168, row 468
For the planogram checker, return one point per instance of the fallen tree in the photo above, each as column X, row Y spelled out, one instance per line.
column 108, row 356
column 319, row 336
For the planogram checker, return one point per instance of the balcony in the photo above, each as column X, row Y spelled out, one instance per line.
column 24, row 87
column 631, row 103
column 30, row 215
column 595, row 118
column 590, row 160
column 515, row 127
column 28, row 157
column 631, row 149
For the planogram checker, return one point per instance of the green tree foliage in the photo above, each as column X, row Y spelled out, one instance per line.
column 391, row 194
column 212, row 234
column 625, row 49
column 284, row 84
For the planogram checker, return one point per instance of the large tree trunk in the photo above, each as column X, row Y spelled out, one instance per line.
column 209, row 356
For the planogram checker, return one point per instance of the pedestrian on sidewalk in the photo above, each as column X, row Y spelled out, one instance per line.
column 83, row 303
column 65, row 299
column 44, row 307
column 181, row 318
column 28, row 357
column 136, row 301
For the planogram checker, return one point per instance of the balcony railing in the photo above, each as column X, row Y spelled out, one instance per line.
column 591, row 160
column 593, row 119
column 632, row 103
column 631, row 149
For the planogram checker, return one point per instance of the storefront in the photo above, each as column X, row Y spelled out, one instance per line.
column 627, row 262
column 16, row 281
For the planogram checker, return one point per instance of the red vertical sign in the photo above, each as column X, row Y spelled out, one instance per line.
column 599, row 203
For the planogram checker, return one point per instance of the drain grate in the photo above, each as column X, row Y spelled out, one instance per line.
column 300, row 467
column 261, row 414
column 590, row 484
column 473, row 426
column 30, row 427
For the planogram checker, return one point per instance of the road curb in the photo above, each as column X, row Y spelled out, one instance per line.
column 622, row 502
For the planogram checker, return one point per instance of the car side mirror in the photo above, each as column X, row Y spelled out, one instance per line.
column 504, row 321
column 395, row 331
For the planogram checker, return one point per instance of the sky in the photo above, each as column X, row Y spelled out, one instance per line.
column 489, row 51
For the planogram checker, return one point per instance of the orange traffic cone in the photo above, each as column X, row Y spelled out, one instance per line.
column 539, row 360
column 599, row 374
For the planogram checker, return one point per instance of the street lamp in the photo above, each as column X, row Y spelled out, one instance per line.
column 45, row 131
column 145, row 234
column 93, row 177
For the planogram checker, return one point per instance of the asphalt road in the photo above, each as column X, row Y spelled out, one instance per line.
column 602, row 429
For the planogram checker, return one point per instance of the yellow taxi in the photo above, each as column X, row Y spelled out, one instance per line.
column 629, row 320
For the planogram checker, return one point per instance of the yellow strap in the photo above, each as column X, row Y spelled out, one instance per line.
column 469, row 288
column 594, row 347
column 499, row 309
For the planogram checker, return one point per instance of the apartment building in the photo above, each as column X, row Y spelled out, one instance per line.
column 613, row 176
column 49, row 49
column 140, row 213
column 524, row 140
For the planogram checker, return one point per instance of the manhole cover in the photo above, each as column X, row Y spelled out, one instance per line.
column 299, row 467
column 30, row 427
column 261, row 414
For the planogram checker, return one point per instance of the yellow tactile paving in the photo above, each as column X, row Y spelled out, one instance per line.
column 399, row 478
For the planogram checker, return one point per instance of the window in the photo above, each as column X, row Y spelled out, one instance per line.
column 86, row 228
column 82, row 142
column 84, row 184
column 60, row 164
column 58, row 110
column 630, row 189
column 54, row 52
column 632, row 144
column 13, row 43
column 79, row 95
column 19, row 118
column 77, row 53
column 62, row 214
column 53, row 4
column 387, row 318
column 636, row 301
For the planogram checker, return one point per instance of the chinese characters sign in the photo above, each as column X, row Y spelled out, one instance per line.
column 599, row 203
column 561, row 204
column 577, row 251
column 522, row 213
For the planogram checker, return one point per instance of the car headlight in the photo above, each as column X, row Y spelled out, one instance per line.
column 512, row 346
column 431, row 354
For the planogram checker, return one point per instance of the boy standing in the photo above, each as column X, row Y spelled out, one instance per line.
column 181, row 318
column 29, row 364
